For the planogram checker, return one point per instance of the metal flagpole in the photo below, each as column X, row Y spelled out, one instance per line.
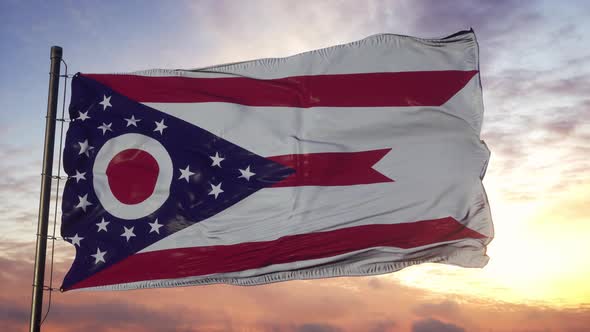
column 39, row 274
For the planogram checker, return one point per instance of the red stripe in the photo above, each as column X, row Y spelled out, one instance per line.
column 332, row 168
column 187, row 262
column 425, row 88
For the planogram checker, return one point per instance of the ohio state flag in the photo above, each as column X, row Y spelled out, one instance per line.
column 356, row 159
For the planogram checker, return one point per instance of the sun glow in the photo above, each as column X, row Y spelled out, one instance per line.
column 543, row 265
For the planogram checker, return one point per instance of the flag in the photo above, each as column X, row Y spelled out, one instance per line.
column 356, row 159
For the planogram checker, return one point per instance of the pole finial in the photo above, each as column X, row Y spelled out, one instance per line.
column 56, row 52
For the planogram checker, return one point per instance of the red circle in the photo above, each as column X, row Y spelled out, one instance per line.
column 132, row 175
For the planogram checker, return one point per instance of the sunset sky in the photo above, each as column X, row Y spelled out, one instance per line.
column 535, row 70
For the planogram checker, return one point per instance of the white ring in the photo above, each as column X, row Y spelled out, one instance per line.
column 101, row 184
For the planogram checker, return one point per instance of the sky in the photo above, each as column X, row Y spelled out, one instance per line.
column 535, row 71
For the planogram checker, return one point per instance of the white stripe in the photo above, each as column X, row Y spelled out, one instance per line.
column 274, row 213
column 378, row 53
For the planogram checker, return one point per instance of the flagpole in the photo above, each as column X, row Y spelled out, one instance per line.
column 43, row 221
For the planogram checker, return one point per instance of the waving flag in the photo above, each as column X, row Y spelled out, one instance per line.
column 356, row 159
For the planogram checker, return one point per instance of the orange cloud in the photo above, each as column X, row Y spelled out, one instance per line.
column 340, row 304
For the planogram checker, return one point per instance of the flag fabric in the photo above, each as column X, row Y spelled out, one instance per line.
column 357, row 159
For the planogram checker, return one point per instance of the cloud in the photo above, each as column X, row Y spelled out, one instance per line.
column 445, row 309
column 382, row 326
column 433, row 325
column 13, row 270
column 564, row 121
column 498, row 42
column 299, row 26
column 313, row 327
column 436, row 16
column 12, row 315
column 375, row 283
column 536, row 129
column 340, row 304
column 124, row 316
column 364, row 325
column 516, row 84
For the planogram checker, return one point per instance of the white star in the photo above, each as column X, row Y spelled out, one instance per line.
column 216, row 190
column 76, row 239
column 79, row 176
column 105, row 127
column 106, row 102
column 216, row 160
column 185, row 173
column 132, row 121
column 102, row 226
column 99, row 256
column 246, row 174
column 155, row 226
column 85, row 148
column 160, row 126
column 83, row 116
column 83, row 202
column 128, row 233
